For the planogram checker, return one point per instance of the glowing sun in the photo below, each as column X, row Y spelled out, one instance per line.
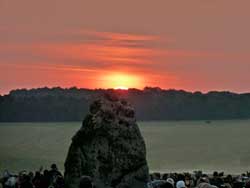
column 121, row 81
column 121, row 87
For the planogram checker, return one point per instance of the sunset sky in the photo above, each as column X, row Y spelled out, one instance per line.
column 193, row 45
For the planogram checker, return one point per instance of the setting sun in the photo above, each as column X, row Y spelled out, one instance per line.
column 121, row 81
column 121, row 87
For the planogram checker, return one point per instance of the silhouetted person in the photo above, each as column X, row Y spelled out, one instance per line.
column 37, row 180
column 45, row 180
column 216, row 179
column 26, row 182
column 54, row 174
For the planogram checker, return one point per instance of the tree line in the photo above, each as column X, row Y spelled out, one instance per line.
column 58, row 104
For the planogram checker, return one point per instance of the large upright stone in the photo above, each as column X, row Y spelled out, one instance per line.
column 108, row 147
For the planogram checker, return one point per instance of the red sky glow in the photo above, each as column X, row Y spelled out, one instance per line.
column 194, row 45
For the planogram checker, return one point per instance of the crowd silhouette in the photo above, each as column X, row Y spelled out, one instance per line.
column 53, row 178
column 40, row 179
column 199, row 180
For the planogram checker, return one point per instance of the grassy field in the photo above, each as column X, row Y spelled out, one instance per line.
column 171, row 145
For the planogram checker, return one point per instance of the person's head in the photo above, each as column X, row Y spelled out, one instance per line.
column 6, row 174
column 181, row 177
column 37, row 174
column 221, row 174
column 157, row 176
column 31, row 175
column 198, row 174
column 171, row 181
column 228, row 179
column 215, row 174
column 180, row 184
column 85, row 182
column 53, row 167
column 204, row 178
column 164, row 176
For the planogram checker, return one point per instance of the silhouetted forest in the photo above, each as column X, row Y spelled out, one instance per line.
column 57, row 104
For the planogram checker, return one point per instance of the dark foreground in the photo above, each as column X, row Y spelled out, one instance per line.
column 53, row 178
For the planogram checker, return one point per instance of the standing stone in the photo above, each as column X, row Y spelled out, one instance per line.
column 108, row 147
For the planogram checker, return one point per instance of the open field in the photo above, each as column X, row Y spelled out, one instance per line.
column 171, row 145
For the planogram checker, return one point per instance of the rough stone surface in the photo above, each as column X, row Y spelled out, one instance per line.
column 108, row 147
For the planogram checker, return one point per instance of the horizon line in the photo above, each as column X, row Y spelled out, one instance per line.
column 119, row 89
